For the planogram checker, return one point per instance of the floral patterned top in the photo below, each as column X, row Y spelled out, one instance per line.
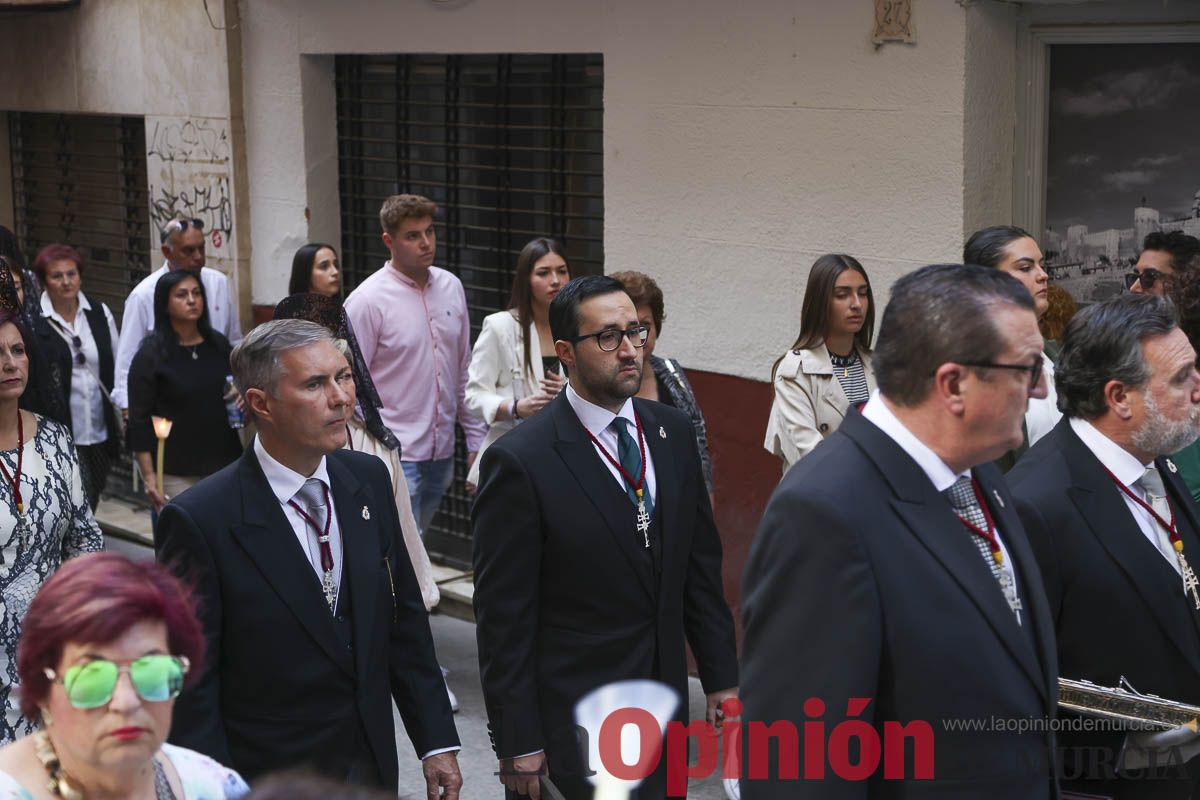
column 58, row 524
column 201, row 777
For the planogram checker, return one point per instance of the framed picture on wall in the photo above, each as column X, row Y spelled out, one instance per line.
column 1108, row 141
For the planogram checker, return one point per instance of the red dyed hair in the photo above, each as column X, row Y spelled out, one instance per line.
column 56, row 252
column 94, row 599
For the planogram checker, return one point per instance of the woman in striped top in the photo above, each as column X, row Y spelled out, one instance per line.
column 828, row 369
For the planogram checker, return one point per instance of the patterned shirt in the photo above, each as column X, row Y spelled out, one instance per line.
column 59, row 526
column 851, row 375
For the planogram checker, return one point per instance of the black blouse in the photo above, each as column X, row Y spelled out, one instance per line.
column 188, row 391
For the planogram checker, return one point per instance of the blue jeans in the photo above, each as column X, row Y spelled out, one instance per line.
column 427, row 482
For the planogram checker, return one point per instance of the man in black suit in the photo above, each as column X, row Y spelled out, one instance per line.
column 1115, row 531
column 574, row 586
column 312, row 614
column 890, row 566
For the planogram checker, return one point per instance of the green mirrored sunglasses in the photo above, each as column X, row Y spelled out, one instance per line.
column 91, row 684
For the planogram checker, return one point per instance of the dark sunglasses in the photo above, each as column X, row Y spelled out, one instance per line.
column 1148, row 277
column 77, row 343
column 198, row 224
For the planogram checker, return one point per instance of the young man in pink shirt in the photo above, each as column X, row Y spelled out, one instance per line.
column 411, row 321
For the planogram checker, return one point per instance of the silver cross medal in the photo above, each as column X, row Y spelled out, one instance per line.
column 1009, row 587
column 327, row 586
column 1190, row 584
column 643, row 519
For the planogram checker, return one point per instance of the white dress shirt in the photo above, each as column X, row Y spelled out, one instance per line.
column 87, row 395
column 284, row 483
column 1128, row 471
column 138, row 320
column 939, row 474
column 596, row 420
column 1042, row 414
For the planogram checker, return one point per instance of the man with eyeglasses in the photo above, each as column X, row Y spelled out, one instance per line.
column 890, row 583
column 1117, row 535
column 1163, row 255
column 595, row 551
column 183, row 248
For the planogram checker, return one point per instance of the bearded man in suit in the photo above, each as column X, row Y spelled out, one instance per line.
column 595, row 550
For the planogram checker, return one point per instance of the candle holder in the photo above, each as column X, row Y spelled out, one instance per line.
column 162, row 429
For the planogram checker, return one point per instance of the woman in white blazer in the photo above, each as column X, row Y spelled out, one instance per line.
column 828, row 369
column 514, row 371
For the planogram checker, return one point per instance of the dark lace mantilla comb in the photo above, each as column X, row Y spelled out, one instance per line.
column 8, row 289
column 328, row 313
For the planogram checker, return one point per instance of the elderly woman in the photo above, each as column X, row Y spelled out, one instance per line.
column 43, row 513
column 108, row 646
column 662, row 378
column 80, row 336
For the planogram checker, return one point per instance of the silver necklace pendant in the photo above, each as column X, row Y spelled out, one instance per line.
column 643, row 522
column 195, row 355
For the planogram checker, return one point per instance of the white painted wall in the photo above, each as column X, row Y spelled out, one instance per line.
column 742, row 140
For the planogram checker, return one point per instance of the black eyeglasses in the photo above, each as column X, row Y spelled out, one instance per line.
column 1034, row 370
column 1148, row 277
column 198, row 224
column 609, row 340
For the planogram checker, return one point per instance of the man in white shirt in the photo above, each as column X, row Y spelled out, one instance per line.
column 183, row 248
column 890, row 584
column 1115, row 531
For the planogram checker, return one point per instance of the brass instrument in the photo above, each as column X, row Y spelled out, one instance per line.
column 1126, row 704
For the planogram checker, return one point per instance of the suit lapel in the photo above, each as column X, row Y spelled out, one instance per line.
column 1103, row 508
column 932, row 521
column 266, row 536
column 1029, row 577
column 360, row 550
column 575, row 449
column 667, row 481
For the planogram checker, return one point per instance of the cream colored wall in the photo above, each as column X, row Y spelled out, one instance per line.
column 742, row 140
column 160, row 59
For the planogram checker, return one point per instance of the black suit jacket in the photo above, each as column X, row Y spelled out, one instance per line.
column 1118, row 605
column 564, row 599
column 278, row 688
column 863, row 583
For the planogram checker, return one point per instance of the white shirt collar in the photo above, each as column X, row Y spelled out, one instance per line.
column 48, row 307
column 939, row 473
column 1111, row 455
column 595, row 418
column 285, row 481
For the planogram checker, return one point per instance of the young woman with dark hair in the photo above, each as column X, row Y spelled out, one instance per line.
column 828, row 369
column 316, row 269
column 508, row 379
column 1010, row 249
column 179, row 373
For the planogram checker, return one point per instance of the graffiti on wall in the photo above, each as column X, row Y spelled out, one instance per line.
column 191, row 171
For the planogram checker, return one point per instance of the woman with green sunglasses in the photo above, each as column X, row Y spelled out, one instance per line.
column 107, row 646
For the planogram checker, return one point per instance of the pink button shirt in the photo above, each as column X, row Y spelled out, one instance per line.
column 417, row 345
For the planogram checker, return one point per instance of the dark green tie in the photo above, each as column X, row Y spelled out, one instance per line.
column 631, row 460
